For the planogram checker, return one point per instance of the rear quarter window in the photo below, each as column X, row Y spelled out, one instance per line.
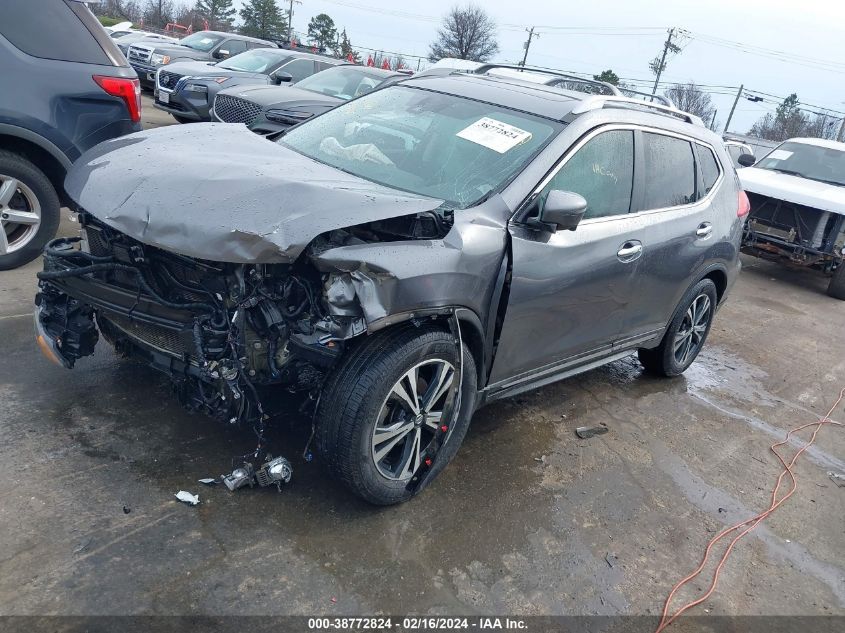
column 50, row 29
column 669, row 171
column 709, row 168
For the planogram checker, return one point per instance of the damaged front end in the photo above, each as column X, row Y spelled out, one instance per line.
column 219, row 330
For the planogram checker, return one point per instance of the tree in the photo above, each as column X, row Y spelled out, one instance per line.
column 690, row 98
column 345, row 49
column 218, row 13
column 264, row 19
column 467, row 33
column 322, row 31
column 158, row 13
column 787, row 121
column 608, row 76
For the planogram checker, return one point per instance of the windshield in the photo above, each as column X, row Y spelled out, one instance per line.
column 343, row 82
column 258, row 60
column 824, row 164
column 201, row 41
column 424, row 142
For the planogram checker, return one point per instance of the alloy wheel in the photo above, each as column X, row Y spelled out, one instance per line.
column 20, row 214
column 690, row 335
column 410, row 417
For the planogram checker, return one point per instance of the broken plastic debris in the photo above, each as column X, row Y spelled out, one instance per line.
column 208, row 481
column 585, row 432
column 837, row 478
column 187, row 497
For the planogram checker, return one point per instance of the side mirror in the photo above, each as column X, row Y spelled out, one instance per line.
column 221, row 53
column 746, row 160
column 282, row 77
column 563, row 210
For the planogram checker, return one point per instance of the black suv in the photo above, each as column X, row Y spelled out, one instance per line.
column 398, row 261
column 147, row 56
column 68, row 87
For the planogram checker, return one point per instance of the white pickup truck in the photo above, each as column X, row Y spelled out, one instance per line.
column 797, row 195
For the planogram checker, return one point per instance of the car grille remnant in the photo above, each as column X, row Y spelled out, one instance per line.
column 140, row 54
column 236, row 110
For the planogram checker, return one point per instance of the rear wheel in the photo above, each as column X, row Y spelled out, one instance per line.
column 686, row 334
column 381, row 409
column 836, row 287
column 29, row 211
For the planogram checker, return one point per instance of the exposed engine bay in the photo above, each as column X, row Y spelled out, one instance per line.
column 219, row 330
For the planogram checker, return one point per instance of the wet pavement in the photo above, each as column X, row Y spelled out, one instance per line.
column 528, row 519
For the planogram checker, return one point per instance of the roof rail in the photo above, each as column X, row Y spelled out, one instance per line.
column 598, row 102
column 661, row 98
column 610, row 88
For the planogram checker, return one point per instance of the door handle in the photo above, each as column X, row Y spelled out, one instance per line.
column 630, row 251
column 704, row 229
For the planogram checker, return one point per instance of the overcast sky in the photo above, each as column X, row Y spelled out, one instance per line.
column 809, row 33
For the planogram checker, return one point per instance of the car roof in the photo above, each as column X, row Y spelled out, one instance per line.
column 818, row 142
column 315, row 56
column 238, row 36
column 554, row 102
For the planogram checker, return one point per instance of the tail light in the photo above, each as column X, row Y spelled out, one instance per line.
column 127, row 89
column 744, row 206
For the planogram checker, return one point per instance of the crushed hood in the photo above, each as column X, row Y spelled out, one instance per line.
column 219, row 192
column 282, row 96
column 803, row 191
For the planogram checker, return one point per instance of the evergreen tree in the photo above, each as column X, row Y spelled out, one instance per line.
column 322, row 31
column 264, row 19
column 346, row 49
column 218, row 13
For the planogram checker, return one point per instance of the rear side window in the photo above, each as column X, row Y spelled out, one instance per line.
column 233, row 46
column 51, row 30
column 669, row 171
column 709, row 168
column 602, row 171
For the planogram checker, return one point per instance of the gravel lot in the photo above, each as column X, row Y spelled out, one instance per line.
column 528, row 519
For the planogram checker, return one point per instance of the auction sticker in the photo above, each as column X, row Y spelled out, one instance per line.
column 493, row 134
column 780, row 154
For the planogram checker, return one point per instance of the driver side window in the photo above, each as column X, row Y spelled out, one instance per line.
column 298, row 69
column 602, row 171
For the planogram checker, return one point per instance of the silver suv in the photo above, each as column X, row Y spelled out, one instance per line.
column 398, row 261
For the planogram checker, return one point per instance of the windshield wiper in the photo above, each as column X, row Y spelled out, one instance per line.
column 789, row 172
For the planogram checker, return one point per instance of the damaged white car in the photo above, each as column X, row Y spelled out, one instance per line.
column 797, row 195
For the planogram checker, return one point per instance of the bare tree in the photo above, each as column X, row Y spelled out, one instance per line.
column 158, row 13
column 121, row 9
column 467, row 33
column 690, row 98
column 788, row 121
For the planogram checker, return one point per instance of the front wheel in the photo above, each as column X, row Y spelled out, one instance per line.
column 686, row 333
column 383, row 405
column 836, row 287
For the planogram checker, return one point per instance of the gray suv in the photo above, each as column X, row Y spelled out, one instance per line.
column 398, row 261
column 66, row 88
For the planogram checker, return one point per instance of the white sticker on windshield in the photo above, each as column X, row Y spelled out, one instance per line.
column 780, row 154
column 495, row 135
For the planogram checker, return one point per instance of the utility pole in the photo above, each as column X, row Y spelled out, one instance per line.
column 667, row 45
column 733, row 107
column 290, row 20
column 528, row 44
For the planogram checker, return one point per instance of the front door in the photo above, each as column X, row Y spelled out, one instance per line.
column 570, row 290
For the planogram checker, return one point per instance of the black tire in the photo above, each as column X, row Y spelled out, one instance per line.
column 18, row 167
column 353, row 397
column 836, row 287
column 666, row 360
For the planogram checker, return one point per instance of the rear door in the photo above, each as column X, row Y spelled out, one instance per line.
column 677, row 219
column 570, row 290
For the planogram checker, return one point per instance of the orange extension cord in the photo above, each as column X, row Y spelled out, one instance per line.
column 753, row 521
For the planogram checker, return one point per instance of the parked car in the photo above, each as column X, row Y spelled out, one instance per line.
column 737, row 149
column 68, row 88
column 187, row 89
column 147, row 57
column 398, row 261
column 269, row 110
column 138, row 37
column 797, row 194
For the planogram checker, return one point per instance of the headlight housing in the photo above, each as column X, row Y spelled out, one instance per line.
column 160, row 60
column 290, row 117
